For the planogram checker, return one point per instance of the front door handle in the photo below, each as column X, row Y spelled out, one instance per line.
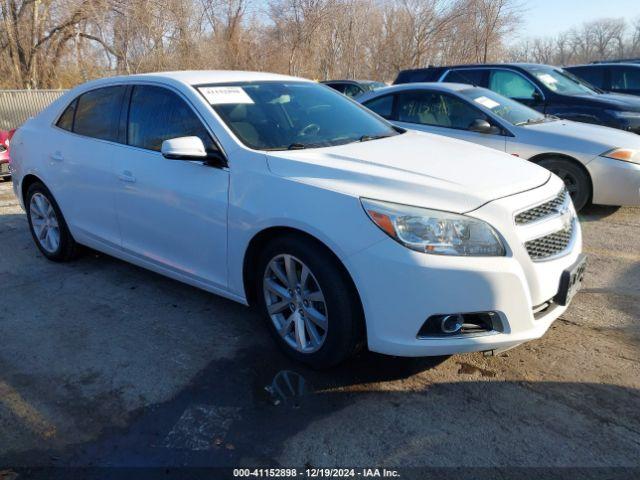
column 57, row 156
column 126, row 176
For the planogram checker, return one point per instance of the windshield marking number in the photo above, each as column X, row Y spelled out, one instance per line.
column 225, row 95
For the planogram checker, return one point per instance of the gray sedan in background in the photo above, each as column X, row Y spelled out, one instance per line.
column 598, row 164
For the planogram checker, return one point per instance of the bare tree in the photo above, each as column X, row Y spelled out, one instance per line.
column 63, row 42
column 600, row 39
column 36, row 34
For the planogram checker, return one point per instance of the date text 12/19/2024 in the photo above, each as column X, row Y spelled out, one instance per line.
column 315, row 473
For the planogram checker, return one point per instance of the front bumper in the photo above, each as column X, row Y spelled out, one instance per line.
column 401, row 288
column 615, row 182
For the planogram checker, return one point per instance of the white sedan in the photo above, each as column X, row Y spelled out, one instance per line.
column 280, row 192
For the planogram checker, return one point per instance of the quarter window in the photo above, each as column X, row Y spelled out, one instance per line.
column 157, row 114
column 383, row 106
column 66, row 119
column 511, row 85
column 98, row 113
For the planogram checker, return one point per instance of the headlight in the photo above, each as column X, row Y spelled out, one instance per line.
column 624, row 154
column 623, row 114
column 434, row 231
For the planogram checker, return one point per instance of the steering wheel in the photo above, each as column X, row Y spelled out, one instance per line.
column 311, row 129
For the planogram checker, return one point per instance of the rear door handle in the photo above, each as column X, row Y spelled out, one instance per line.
column 57, row 156
column 126, row 176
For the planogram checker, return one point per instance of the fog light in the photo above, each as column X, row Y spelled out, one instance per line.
column 460, row 324
column 451, row 323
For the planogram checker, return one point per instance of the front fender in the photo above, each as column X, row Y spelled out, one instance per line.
column 255, row 204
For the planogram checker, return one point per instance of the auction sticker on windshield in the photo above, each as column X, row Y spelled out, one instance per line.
column 487, row 102
column 547, row 79
column 225, row 95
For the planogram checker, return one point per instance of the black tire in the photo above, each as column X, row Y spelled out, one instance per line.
column 574, row 177
column 67, row 248
column 345, row 332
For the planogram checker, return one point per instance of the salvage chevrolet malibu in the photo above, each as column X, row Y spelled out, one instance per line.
column 281, row 193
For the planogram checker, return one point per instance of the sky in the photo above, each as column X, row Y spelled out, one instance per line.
column 550, row 17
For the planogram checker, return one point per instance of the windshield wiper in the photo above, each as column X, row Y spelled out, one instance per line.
column 531, row 121
column 366, row 138
column 297, row 146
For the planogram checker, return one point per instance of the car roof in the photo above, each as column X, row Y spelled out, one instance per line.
column 349, row 81
column 605, row 64
column 435, row 86
column 484, row 65
column 194, row 77
column 440, row 86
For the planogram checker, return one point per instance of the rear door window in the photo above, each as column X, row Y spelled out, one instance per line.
column 157, row 114
column 98, row 113
column 511, row 84
column 625, row 78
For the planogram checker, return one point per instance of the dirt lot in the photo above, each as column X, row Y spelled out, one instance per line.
column 103, row 363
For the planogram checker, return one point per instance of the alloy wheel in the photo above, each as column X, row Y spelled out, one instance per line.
column 295, row 303
column 44, row 222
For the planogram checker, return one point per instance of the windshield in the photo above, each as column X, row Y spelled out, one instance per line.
column 561, row 81
column 513, row 112
column 292, row 115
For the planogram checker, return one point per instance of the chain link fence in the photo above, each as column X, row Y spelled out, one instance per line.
column 16, row 106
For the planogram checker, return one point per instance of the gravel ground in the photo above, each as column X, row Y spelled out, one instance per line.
column 103, row 363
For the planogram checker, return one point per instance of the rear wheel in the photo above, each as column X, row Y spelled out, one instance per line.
column 48, row 227
column 575, row 179
column 309, row 303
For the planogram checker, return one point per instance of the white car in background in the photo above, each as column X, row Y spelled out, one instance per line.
column 598, row 164
column 280, row 192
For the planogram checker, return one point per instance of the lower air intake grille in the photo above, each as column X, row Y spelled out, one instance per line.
column 550, row 245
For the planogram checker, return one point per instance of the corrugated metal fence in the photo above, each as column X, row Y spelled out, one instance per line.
column 16, row 106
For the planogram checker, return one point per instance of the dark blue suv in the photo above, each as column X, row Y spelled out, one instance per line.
column 611, row 77
column 550, row 90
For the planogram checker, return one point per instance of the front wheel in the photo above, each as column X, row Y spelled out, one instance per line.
column 309, row 302
column 575, row 179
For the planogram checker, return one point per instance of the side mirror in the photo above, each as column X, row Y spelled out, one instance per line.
column 482, row 126
column 183, row 148
column 537, row 97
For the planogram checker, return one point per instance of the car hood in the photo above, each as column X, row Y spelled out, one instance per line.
column 414, row 168
column 584, row 137
column 613, row 101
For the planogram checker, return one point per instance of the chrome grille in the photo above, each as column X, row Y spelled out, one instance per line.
column 550, row 245
column 547, row 209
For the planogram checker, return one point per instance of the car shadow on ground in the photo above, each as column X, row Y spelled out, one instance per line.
column 132, row 369
column 593, row 213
